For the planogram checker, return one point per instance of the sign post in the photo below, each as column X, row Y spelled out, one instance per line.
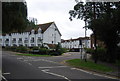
column 80, row 44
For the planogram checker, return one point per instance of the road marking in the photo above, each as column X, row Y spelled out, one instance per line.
column 19, row 58
column 45, row 60
column 93, row 73
column 29, row 63
column 13, row 55
column 25, row 60
column 6, row 73
column 46, row 71
column 4, row 78
column 52, row 67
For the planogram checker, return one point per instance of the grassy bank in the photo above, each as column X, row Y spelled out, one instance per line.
column 89, row 65
column 34, row 55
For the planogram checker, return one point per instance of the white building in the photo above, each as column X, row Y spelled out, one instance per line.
column 47, row 33
column 75, row 43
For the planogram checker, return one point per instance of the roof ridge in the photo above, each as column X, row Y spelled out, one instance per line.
column 46, row 23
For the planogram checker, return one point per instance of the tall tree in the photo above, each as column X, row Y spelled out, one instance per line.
column 14, row 16
column 102, row 19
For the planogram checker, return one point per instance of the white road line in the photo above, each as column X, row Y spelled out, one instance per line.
column 52, row 67
column 4, row 78
column 45, row 71
column 25, row 60
column 19, row 58
column 45, row 60
column 29, row 63
column 13, row 55
column 6, row 73
column 93, row 73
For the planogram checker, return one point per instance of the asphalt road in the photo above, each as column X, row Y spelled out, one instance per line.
column 26, row 68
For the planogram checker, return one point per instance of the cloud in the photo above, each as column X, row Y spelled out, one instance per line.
column 57, row 11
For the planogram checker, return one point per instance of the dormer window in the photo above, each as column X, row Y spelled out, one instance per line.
column 33, row 31
column 39, row 30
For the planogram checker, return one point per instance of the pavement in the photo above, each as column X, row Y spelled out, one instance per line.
column 15, row 68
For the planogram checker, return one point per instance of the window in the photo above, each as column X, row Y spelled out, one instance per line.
column 52, row 34
column 14, row 40
column 20, row 40
column 0, row 40
column 26, row 40
column 39, row 39
column 52, row 42
column 39, row 30
column 32, row 40
column 14, row 45
column 32, row 31
column 39, row 44
column 26, row 45
column 7, row 45
column 32, row 44
column 7, row 41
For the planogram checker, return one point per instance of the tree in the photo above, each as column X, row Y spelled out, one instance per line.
column 14, row 16
column 102, row 19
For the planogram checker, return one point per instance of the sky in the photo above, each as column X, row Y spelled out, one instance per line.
column 57, row 11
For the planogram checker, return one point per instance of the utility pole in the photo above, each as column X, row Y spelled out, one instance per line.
column 85, row 28
column 85, row 55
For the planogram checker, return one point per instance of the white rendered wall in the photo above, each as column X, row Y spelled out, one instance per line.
column 50, row 36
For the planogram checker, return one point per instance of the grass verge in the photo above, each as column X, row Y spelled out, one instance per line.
column 89, row 65
column 34, row 55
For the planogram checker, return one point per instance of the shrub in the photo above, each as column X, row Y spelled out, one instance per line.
column 8, row 48
column 54, row 53
column 44, row 51
column 101, row 54
column 35, row 48
column 63, row 50
column 13, row 48
column 89, row 50
column 22, row 49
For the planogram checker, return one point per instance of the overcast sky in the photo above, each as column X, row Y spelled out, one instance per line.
column 58, row 11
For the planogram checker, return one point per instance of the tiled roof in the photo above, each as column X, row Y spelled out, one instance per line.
column 45, row 26
column 52, row 46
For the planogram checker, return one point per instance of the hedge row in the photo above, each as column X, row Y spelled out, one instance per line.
column 36, row 50
column 101, row 52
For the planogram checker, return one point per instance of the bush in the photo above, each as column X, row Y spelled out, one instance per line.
column 63, row 50
column 55, row 53
column 35, row 48
column 89, row 50
column 8, row 48
column 13, row 48
column 22, row 49
column 44, row 51
column 102, row 54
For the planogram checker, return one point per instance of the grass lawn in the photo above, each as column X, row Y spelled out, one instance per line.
column 89, row 65
column 33, row 55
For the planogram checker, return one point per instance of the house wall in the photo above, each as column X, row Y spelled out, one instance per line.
column 51, row 36
column 75, row 44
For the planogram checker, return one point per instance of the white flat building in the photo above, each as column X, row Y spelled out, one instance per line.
column 75, row 43
column 47, row 33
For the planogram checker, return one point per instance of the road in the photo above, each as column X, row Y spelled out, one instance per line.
column 26, row 68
